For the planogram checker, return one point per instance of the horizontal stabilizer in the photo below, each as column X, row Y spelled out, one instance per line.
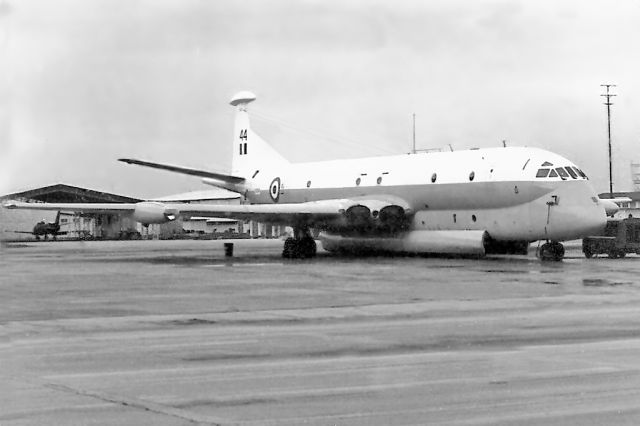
column 186, row 171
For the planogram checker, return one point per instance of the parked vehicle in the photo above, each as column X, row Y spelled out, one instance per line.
column 620, row 237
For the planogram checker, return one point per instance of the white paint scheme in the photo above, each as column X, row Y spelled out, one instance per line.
column 477, row 194
column 505, row 196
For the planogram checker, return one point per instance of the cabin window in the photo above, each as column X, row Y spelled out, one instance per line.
column 308, row 184
column 358, row 182
column 563, row 174
column 571, row 172
column 472, row 175
column 379, row 180
column 434, row 177
column 473, row 217
column 553, row 173
column 542, row 173
column 454, row 218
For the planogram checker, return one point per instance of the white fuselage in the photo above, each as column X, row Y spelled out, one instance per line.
column 495, row 190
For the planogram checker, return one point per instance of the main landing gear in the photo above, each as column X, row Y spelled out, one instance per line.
column 551, row 250
column 300, row 246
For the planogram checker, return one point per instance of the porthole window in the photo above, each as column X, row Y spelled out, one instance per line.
column 473, row 217
column 379, row 181
column 308, row 184
column 472, row 175
column 434, row 177
column 358, row 182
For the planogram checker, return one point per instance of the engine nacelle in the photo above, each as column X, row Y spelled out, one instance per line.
column 148, row 212
column 392, row 219
column 374, row 218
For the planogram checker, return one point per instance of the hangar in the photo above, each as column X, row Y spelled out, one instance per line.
column 85, row 226
column 16, row 224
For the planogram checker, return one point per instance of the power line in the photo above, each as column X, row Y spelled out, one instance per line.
column 608, row 104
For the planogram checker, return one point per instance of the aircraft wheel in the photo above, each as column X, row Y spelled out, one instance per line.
column 552, row 251
column 307, row 248
column 299, row 248
column 613, row 254
column 289, row 248
column 587, row 253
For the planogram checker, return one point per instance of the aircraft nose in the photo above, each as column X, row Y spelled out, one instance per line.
column 594, row 222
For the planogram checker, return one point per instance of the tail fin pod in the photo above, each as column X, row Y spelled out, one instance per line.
column 250, row 151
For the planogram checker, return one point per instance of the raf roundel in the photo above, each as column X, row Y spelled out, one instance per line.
column 274, row 189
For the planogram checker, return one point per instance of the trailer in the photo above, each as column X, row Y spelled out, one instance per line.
column 620, row 237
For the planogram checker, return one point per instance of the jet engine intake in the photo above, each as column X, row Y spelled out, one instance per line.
column 359, row 217
column 148, row 212
column 374, row 219
column 392, row 219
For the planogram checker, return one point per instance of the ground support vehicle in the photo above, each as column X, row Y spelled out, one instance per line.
column 620, row 237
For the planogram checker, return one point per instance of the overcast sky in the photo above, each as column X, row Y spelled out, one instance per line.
column 83, row 83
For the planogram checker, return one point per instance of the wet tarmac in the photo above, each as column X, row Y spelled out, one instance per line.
column 173, row 333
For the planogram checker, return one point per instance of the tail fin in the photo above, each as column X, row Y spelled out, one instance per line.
column 250, row 151
column 57, row 221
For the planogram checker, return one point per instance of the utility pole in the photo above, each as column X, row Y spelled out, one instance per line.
column 414, row 133
column 608, row 104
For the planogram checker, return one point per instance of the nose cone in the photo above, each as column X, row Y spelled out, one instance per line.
column 578, row 213
column 594, row 221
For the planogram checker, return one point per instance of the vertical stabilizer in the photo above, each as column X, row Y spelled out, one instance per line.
column 250, row 151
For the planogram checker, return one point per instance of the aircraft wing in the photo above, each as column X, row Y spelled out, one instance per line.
column 310, row 213
column 314, row 213
column 157, row 212
column 73, row 207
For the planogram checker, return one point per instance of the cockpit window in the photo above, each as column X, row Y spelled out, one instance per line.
column 580, row 172
column 562, row 172
column 542, row 173
column 547, row 164
column 553, row 173
column 572, row 173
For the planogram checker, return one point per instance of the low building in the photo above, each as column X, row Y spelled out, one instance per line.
column 628, row 202
column 17, row 224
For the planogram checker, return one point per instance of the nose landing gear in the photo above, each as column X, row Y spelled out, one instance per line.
column 551, row 251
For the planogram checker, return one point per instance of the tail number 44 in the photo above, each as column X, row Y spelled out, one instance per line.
column 243, row 134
